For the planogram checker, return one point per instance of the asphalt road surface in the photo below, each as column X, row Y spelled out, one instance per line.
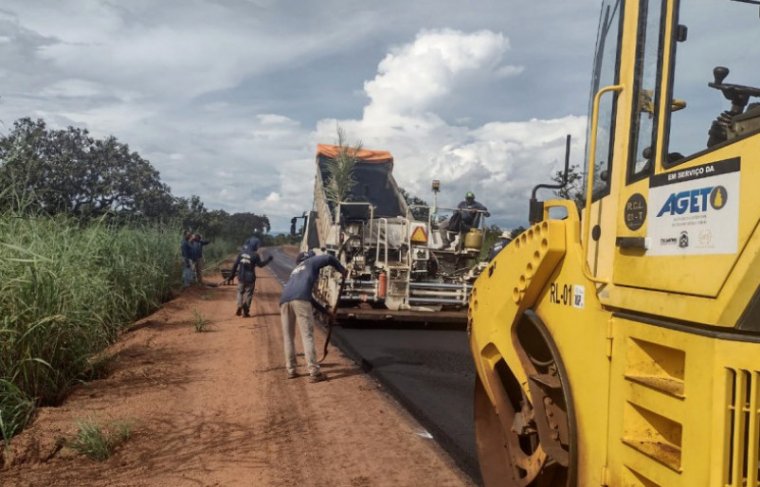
column 429, row 371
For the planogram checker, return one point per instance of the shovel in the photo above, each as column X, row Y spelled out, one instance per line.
column 331, row 317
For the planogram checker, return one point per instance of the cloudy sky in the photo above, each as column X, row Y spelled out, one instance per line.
column 228, row 98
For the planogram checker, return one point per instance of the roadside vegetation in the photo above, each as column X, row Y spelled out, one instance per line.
column 97, row 442
column 68, row 171
column 200, row 322
column 89, row 242
column 340, row 170
column 218, row 251
column 66, row 291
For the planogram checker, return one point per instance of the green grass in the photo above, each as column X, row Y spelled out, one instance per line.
column 66, row 291
column 99, row 367
column 200, row 322
column 16, row 410
column 98, row 443
column 218, row 251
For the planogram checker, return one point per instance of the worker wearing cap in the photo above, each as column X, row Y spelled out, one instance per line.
column 469, row 210
column 296, row 307
column 499, row 245
column 246, row 263
column 462, row 220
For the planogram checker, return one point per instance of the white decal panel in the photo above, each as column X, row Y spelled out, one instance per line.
column 579, row 296
column 695, row 211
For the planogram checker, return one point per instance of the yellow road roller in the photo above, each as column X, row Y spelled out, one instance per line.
column 617, row 340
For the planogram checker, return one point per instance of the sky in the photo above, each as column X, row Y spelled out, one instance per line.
column 229, row 98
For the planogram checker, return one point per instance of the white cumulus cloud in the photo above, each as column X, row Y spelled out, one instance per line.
column 499, row 161
column 228, row 99
column 415, row 76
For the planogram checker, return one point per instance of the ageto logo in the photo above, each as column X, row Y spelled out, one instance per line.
column 695, row 211
column 695, row 201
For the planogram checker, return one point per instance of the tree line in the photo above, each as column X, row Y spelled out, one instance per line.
column 68, row 171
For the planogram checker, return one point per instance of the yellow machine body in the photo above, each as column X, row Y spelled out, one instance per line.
column 647, row 298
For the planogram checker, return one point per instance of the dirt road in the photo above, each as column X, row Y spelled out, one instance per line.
column 215, row 408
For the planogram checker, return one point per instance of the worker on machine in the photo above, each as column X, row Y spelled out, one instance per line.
column 467, row 216
column 469, row 211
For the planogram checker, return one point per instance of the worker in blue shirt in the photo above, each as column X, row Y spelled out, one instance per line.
column 296, row 307
column 186, row 249
column 499, row 245
column 468, row 215
column 245, row 268
column 253, row 242
column 196, row 246
column 470, row 211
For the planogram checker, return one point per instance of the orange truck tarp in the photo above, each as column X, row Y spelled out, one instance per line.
column 364, row 155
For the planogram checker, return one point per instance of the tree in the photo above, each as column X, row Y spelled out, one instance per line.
column 240, row 226
column 191, row 212
column 574, row 189
column 218, row 224
column 340, row 179
column 416, row 205
column 516, row 232
column 491, row 235
column 68, row 171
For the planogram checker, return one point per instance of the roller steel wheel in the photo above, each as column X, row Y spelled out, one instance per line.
column 508, row 458
column 527, row 439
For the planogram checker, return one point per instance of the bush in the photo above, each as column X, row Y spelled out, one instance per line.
column 15, row 410
column 200, row 322
column 218, row 251
column 97, row 443
column 66, row 291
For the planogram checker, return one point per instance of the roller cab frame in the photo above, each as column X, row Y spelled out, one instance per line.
column 619, row 343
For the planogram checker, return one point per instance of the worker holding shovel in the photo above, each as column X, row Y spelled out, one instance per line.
column 296, row 307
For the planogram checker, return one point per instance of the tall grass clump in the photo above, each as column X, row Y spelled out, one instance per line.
column 98, row 443
column 15, row 410
column 200, row 322
column 218, row 251
column 66, row 290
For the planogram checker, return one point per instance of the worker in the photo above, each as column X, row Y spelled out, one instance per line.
column 296, row 307
column 197, row 244
column 187, row 259
column 246, row 262
column 499, row 245
column 253, row 242
column 470, row 211
column 467, row 216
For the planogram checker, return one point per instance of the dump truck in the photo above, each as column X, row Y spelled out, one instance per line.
column 619, row 344
column 403, row 261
